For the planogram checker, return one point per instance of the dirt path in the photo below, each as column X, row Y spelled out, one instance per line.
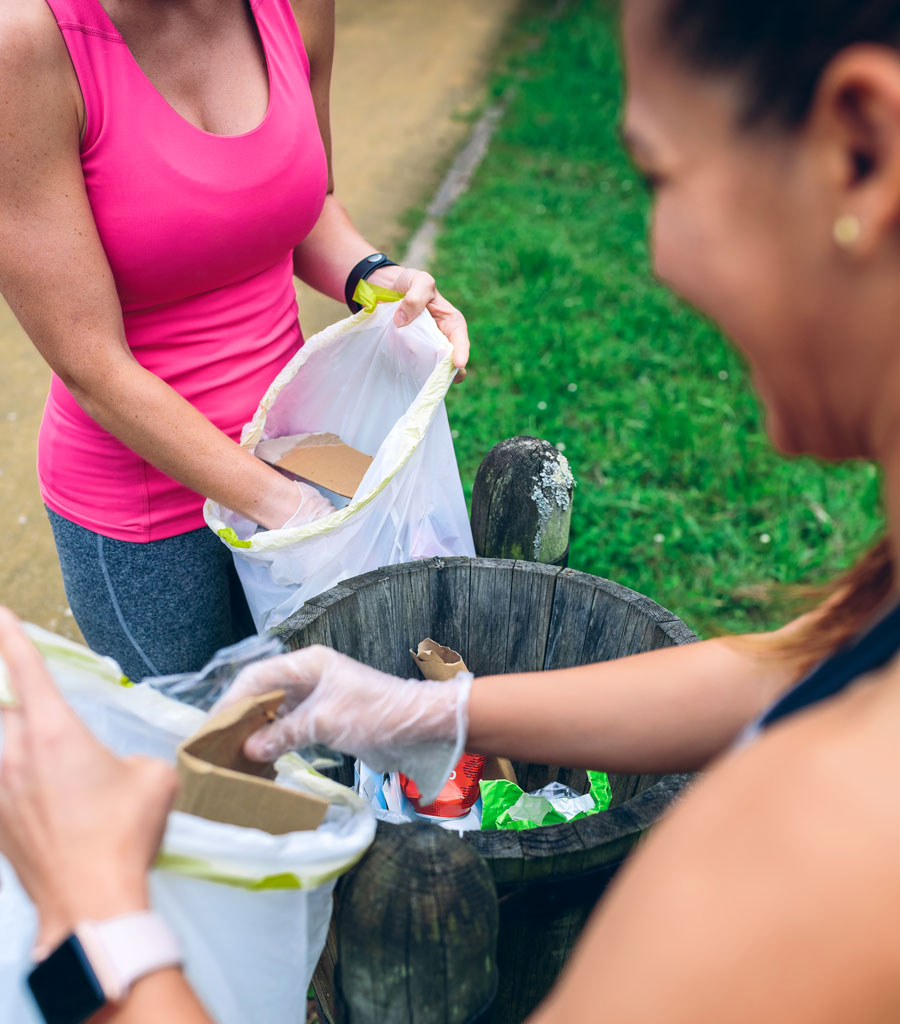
column 404, row 70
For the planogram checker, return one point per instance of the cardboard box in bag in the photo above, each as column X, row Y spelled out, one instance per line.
column 220, row 783
column 322, row 459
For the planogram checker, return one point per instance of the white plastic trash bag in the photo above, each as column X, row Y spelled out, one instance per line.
column 251, row 909
column 381, row 389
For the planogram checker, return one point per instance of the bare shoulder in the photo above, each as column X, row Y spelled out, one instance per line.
column 37, row 80
column 772, row 890
column 47, row 230
column 29, row 34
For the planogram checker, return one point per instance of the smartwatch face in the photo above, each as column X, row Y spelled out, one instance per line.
column 65, row 987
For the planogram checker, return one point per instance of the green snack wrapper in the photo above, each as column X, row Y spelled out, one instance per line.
column 506, row 805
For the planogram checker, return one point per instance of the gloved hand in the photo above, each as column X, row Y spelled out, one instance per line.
column 313, row 506
column 418, row 728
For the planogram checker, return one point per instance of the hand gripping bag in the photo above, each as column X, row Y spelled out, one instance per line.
column 251, row 909
column 381, row 389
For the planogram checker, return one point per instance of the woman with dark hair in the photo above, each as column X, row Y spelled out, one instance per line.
column 770, row 134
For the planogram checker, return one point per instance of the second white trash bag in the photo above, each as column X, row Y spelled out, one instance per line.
column 381, row 389
column 250, row 909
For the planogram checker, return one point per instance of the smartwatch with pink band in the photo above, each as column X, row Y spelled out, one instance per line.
column 99, row 962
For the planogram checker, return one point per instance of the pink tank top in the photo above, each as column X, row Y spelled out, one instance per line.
column 199, row 231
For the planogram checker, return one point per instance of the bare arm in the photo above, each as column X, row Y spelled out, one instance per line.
column 161, row 996
column 55, row 276
column 81, row 826
column 666, row 710
column 765, row 895
column 661, row 711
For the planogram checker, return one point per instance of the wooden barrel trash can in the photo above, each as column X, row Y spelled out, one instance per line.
column 502, row 616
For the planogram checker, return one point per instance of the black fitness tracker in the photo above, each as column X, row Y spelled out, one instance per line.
column 65, row 986
column 361, row 273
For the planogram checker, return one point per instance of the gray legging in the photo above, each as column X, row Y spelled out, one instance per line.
column 157, row 608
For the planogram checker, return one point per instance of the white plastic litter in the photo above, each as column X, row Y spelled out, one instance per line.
column 251, row 909
column 381, row 389
column 389, row 803
column 552, row 797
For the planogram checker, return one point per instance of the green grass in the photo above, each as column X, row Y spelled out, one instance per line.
column 680, row 495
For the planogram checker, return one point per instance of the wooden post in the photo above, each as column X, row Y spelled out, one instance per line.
column 422, row 911
column 522, row 502
column 414, row 933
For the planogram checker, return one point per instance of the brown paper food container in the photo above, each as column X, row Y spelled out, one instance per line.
column 439, row 663
column 322, row 459
column 219, row 783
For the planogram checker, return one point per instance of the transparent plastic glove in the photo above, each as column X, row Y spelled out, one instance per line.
column 312, row 506
column 392, row 724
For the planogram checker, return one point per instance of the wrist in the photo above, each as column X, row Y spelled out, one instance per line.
column 97, row 964
column 436, row 738
column 280, row 504
column 446, row 703
column 364, row 270
column 97, row 902
column 385, row 277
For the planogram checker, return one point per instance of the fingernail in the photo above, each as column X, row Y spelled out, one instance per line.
column 401, row 319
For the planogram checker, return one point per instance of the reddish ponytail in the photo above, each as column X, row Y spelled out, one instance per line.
column 842, row 609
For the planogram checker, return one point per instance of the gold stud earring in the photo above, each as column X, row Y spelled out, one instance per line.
column 847, row 230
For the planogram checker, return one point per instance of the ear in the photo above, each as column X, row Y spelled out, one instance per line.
column 857, row 111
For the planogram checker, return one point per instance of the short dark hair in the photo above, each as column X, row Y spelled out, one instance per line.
column 778, row 48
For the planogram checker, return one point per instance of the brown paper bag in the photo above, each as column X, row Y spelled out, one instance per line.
column 220, row 783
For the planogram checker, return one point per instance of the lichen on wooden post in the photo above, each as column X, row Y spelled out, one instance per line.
column 522, row 502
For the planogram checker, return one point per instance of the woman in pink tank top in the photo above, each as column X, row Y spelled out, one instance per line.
column 165, row 172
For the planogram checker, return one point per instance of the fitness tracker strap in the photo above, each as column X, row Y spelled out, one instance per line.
column 99, row 962
column 125, row 948
column 361, row 272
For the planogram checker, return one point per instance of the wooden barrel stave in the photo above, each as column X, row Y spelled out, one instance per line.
column 492, row 590
column 530, row 615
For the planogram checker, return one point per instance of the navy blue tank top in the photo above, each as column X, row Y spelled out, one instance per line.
column 870, row 651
